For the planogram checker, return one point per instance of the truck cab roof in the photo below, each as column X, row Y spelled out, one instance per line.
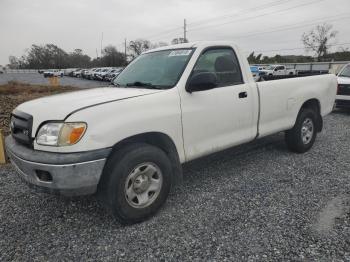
column 201, row 44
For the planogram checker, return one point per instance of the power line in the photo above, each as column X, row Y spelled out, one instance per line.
column 278, row 29
column 296, row 48
column 257, row 16
column 299, row 25
column 244, row 11
column 169, row 31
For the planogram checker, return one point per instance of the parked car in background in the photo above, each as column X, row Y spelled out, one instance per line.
column 279, row 70
column 53, row 72
column 69, row 71
column 171, row 105
column 84, row 73
column 76, row 73
column 113, row 74
column 88, row 73
column 343, row 94
column 95, row 73
column 256, row 73
column 102, row 73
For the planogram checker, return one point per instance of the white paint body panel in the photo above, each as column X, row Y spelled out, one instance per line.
column 199, row 123
column 281, row 100
column 57, row 107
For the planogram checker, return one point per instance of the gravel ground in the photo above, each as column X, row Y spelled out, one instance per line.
column 256, row 202
column 39, row 79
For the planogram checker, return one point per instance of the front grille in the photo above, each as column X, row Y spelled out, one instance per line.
column 344, row 90
column 21, row 127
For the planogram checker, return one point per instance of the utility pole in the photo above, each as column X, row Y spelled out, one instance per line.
column 185, row 31
column 101, row 43
column 126, row 58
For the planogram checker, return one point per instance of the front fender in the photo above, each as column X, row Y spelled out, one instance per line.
column 113, row 122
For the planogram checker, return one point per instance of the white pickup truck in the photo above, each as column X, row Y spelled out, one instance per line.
column 343, row 95
column 170, row 105
column 279, row 70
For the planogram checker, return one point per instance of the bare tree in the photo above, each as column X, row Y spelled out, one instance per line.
column 319, row 39
column 13, row 62
column 138, row 46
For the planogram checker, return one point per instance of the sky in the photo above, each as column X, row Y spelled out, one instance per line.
column 266, row 26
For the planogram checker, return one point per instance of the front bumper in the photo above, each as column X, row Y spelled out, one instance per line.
column 68, row 174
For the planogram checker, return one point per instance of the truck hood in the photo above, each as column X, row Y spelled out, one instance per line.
column 58, row 107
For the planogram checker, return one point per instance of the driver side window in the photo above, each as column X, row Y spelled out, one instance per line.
column 223, row 63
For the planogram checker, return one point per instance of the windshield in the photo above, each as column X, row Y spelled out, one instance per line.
column 270, row 67
column 160, row 69
column 345, row 72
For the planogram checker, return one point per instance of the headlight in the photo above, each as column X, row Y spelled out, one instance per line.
column 60, row 134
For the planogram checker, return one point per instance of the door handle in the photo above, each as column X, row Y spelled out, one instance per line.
column 243, row 95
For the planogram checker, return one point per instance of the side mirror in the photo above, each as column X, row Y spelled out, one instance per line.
column 201, row 82
column 276, row 69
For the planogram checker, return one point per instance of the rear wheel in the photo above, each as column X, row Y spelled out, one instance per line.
column 136, row 182
column 302, row 136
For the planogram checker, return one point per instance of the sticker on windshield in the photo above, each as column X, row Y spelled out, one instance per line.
column 184, row 52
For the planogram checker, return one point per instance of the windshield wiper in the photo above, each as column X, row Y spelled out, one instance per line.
column 143, row 84
column 114, row 84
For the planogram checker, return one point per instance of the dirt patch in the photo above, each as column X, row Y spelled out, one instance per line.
column 14, row 93
column 334, row 209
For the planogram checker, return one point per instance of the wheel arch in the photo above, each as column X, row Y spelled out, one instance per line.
column 160, row 140
column 314, row 104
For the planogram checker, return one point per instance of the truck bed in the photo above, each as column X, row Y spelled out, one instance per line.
column 281, row 100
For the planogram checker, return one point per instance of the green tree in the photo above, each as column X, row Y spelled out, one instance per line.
column 112, row 57
column 78, row 59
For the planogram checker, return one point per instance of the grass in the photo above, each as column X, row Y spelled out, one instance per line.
column 18, row 88
column 14, row 93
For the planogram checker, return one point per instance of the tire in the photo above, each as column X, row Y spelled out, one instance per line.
column 301, row 138
column 126, row 171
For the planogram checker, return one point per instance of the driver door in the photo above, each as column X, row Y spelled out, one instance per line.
column 221, row 117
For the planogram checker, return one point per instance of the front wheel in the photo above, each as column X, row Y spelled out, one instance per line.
column 302, row 136
column 136, row 182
